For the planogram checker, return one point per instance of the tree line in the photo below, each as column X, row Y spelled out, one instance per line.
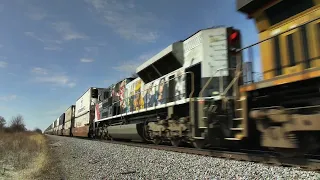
column 15, row 125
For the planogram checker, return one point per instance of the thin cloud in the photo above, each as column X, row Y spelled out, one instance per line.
column 1, row 7
column 3, row 64
column 86, row 60
column 126, row 20
column 92, row 50
column 39, row 70
column 57, row 111
column 1, row 45
column 67, row 32
column 106, row 81
column 60, row 80
column 44, row 39
column 130, row 66
column 46, row 76
column 127, row 67
column 12, row 74
column 35, row 13
column 8, row 98
column 102, row 44
column 52, row 48
column 71, row 84
column 32, row 34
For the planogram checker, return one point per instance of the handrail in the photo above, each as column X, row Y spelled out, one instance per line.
column 210, row 79
column 237, row 76
column 231, row 83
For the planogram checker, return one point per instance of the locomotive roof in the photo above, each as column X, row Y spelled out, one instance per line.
column 249, row 6
column 213, row 27
column 156, row 66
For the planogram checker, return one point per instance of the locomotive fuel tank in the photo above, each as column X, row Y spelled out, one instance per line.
column 127, row 131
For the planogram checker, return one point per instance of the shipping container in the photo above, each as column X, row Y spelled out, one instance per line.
column 69, row 120
column 84, row 111
column 69, row 114
column 61, row 119
column 56, row 123
column 83, row 104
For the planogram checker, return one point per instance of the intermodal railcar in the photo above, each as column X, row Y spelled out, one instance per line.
column 202, row 90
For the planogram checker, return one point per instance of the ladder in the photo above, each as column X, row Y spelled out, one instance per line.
column 237, row 129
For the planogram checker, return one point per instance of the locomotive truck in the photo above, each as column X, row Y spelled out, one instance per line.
column 201, row 90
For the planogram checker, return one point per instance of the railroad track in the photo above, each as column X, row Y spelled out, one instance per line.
column 264, row 157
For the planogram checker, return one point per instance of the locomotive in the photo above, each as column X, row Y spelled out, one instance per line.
column 201, row 91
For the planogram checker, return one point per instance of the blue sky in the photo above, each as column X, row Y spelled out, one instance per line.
column 52, row 51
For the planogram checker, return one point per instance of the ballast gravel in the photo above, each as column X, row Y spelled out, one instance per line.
column 86, row 159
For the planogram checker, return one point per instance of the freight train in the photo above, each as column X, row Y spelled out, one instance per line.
column 201, row 90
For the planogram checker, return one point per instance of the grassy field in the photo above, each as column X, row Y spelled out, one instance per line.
column 23, row 155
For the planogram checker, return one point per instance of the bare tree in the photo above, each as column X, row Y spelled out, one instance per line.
column 37, row 130
column 2, row 122
column 17, row 124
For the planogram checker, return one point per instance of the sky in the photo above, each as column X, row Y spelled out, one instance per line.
column 51, row 52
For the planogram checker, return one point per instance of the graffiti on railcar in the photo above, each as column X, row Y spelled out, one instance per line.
column 127, row 98
column 150, row 96
column 180, row 85
column 162, row 91
column 121, row 94
column 131, row 99
column 138, row 98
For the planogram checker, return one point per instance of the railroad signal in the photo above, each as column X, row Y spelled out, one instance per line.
column 234, row 36
column 234, row 40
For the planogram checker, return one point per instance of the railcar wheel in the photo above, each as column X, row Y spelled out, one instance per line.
column 199, row 144
column 176, row 142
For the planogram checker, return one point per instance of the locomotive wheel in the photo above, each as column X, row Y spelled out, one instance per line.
column 176, row 142
column 199, row 144
column 156, row 141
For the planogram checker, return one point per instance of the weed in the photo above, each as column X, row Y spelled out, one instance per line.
column 21, row 151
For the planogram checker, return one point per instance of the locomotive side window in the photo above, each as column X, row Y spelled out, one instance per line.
column 196, row 69
column 314, row 43
column 318, row 49
column 276, row 45
column 171, row 89
column 318, row 32
column 305, row 46
column 290, row 49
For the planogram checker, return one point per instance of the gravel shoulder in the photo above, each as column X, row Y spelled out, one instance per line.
column 85, row 159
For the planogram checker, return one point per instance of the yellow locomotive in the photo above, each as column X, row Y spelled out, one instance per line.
column 285, row 106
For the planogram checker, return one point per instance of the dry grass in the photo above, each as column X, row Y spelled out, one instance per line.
column 22, row 154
